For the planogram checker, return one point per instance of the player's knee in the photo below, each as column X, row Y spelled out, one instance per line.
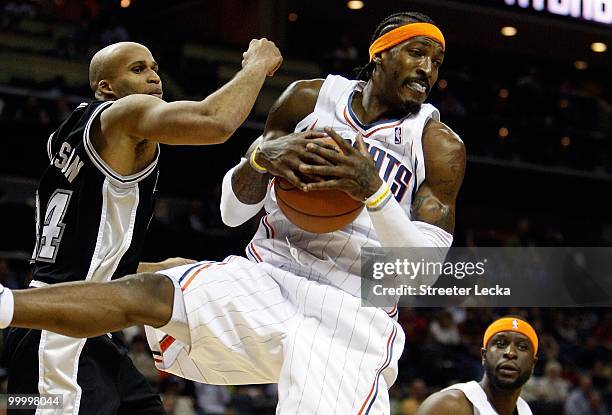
column 155, row 298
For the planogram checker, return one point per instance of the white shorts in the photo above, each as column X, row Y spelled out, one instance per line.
column 241, row 322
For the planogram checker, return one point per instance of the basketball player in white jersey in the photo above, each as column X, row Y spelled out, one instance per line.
column 291, row 313
column 508, row 354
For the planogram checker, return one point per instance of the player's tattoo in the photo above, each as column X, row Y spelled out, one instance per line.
column 427, row 208
column 434, row 203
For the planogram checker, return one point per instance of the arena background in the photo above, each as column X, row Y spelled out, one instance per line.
column 534, row 110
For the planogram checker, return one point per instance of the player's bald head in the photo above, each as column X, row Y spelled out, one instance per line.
column 107, row 61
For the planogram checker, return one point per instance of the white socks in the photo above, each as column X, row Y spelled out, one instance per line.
column 7, row 307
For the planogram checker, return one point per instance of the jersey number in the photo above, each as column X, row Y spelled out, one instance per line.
column 53, row 228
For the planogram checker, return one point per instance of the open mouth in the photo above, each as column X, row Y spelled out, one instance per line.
column 417, row 86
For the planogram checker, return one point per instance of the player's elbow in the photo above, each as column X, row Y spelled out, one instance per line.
column 220, row 130
column 231, row 219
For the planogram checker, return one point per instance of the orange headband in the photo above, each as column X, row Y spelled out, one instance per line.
column 511, row 324
column 405, row 32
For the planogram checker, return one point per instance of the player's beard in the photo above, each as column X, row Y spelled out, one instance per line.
column 521, row 379
column 410, row 107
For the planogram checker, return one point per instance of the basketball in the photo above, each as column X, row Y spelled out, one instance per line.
column 317, row 211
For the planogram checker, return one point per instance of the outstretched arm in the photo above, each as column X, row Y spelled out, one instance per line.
column 211, row 121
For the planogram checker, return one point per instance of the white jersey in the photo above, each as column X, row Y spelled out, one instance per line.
column 335, row 258
column 477, row 396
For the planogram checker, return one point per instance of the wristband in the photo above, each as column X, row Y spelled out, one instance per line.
column 379, row 197
column 256, row 166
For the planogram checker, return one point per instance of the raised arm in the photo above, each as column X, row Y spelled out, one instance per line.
column 211, row 121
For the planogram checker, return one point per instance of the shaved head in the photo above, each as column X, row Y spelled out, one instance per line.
column 108, row 62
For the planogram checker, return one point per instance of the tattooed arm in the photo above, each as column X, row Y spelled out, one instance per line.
column 280, row 151
column 444, row 166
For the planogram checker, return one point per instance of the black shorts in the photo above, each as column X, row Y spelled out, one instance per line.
column 109, row 381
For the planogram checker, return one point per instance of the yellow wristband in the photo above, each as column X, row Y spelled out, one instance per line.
column 256, row 166
column 378, row 197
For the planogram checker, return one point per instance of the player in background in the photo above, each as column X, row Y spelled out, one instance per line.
column 291, row 313
column 508, row 355
column 94, row 204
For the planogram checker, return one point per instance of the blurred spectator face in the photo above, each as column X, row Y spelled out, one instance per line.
column 585, row 383
column 133, row 71
column 553, row 370
column 418, row 389
column 446, row 319
column 509, row 360
column 407, row 73
column 595, row 401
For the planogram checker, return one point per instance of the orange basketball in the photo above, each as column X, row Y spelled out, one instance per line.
column 317, row 211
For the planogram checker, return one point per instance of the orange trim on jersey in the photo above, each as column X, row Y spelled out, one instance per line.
column 202, row 268
column 347, row 119
column 378, row 373
column 312, row 127
column 393, row 310
column 267, row 222
column 166, row 342
column 255, row 252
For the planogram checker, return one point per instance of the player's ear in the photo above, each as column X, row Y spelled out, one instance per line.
column 535, row 360
column 483, row 355
column 105, row 89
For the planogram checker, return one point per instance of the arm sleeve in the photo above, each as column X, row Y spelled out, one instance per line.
column 233, row 211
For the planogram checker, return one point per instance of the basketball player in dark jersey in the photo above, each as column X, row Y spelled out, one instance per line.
column 94, row 203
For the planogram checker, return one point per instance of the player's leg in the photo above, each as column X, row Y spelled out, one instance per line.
column 85, row 309
column 237, row 318
column 341, row 357
column 21, row 359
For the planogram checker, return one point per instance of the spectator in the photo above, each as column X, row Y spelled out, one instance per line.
column 552, row 387
column 212, row 399
column 578, row 402
column 416, row 395
column 141, row 357
column 444, row 330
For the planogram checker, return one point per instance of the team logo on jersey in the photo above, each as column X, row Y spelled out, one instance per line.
column 515, row 324
column 398, row 135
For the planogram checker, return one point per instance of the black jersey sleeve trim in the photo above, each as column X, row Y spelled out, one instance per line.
column 102, row 165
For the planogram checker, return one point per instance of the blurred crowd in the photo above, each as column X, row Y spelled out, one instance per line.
column 505, row 108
